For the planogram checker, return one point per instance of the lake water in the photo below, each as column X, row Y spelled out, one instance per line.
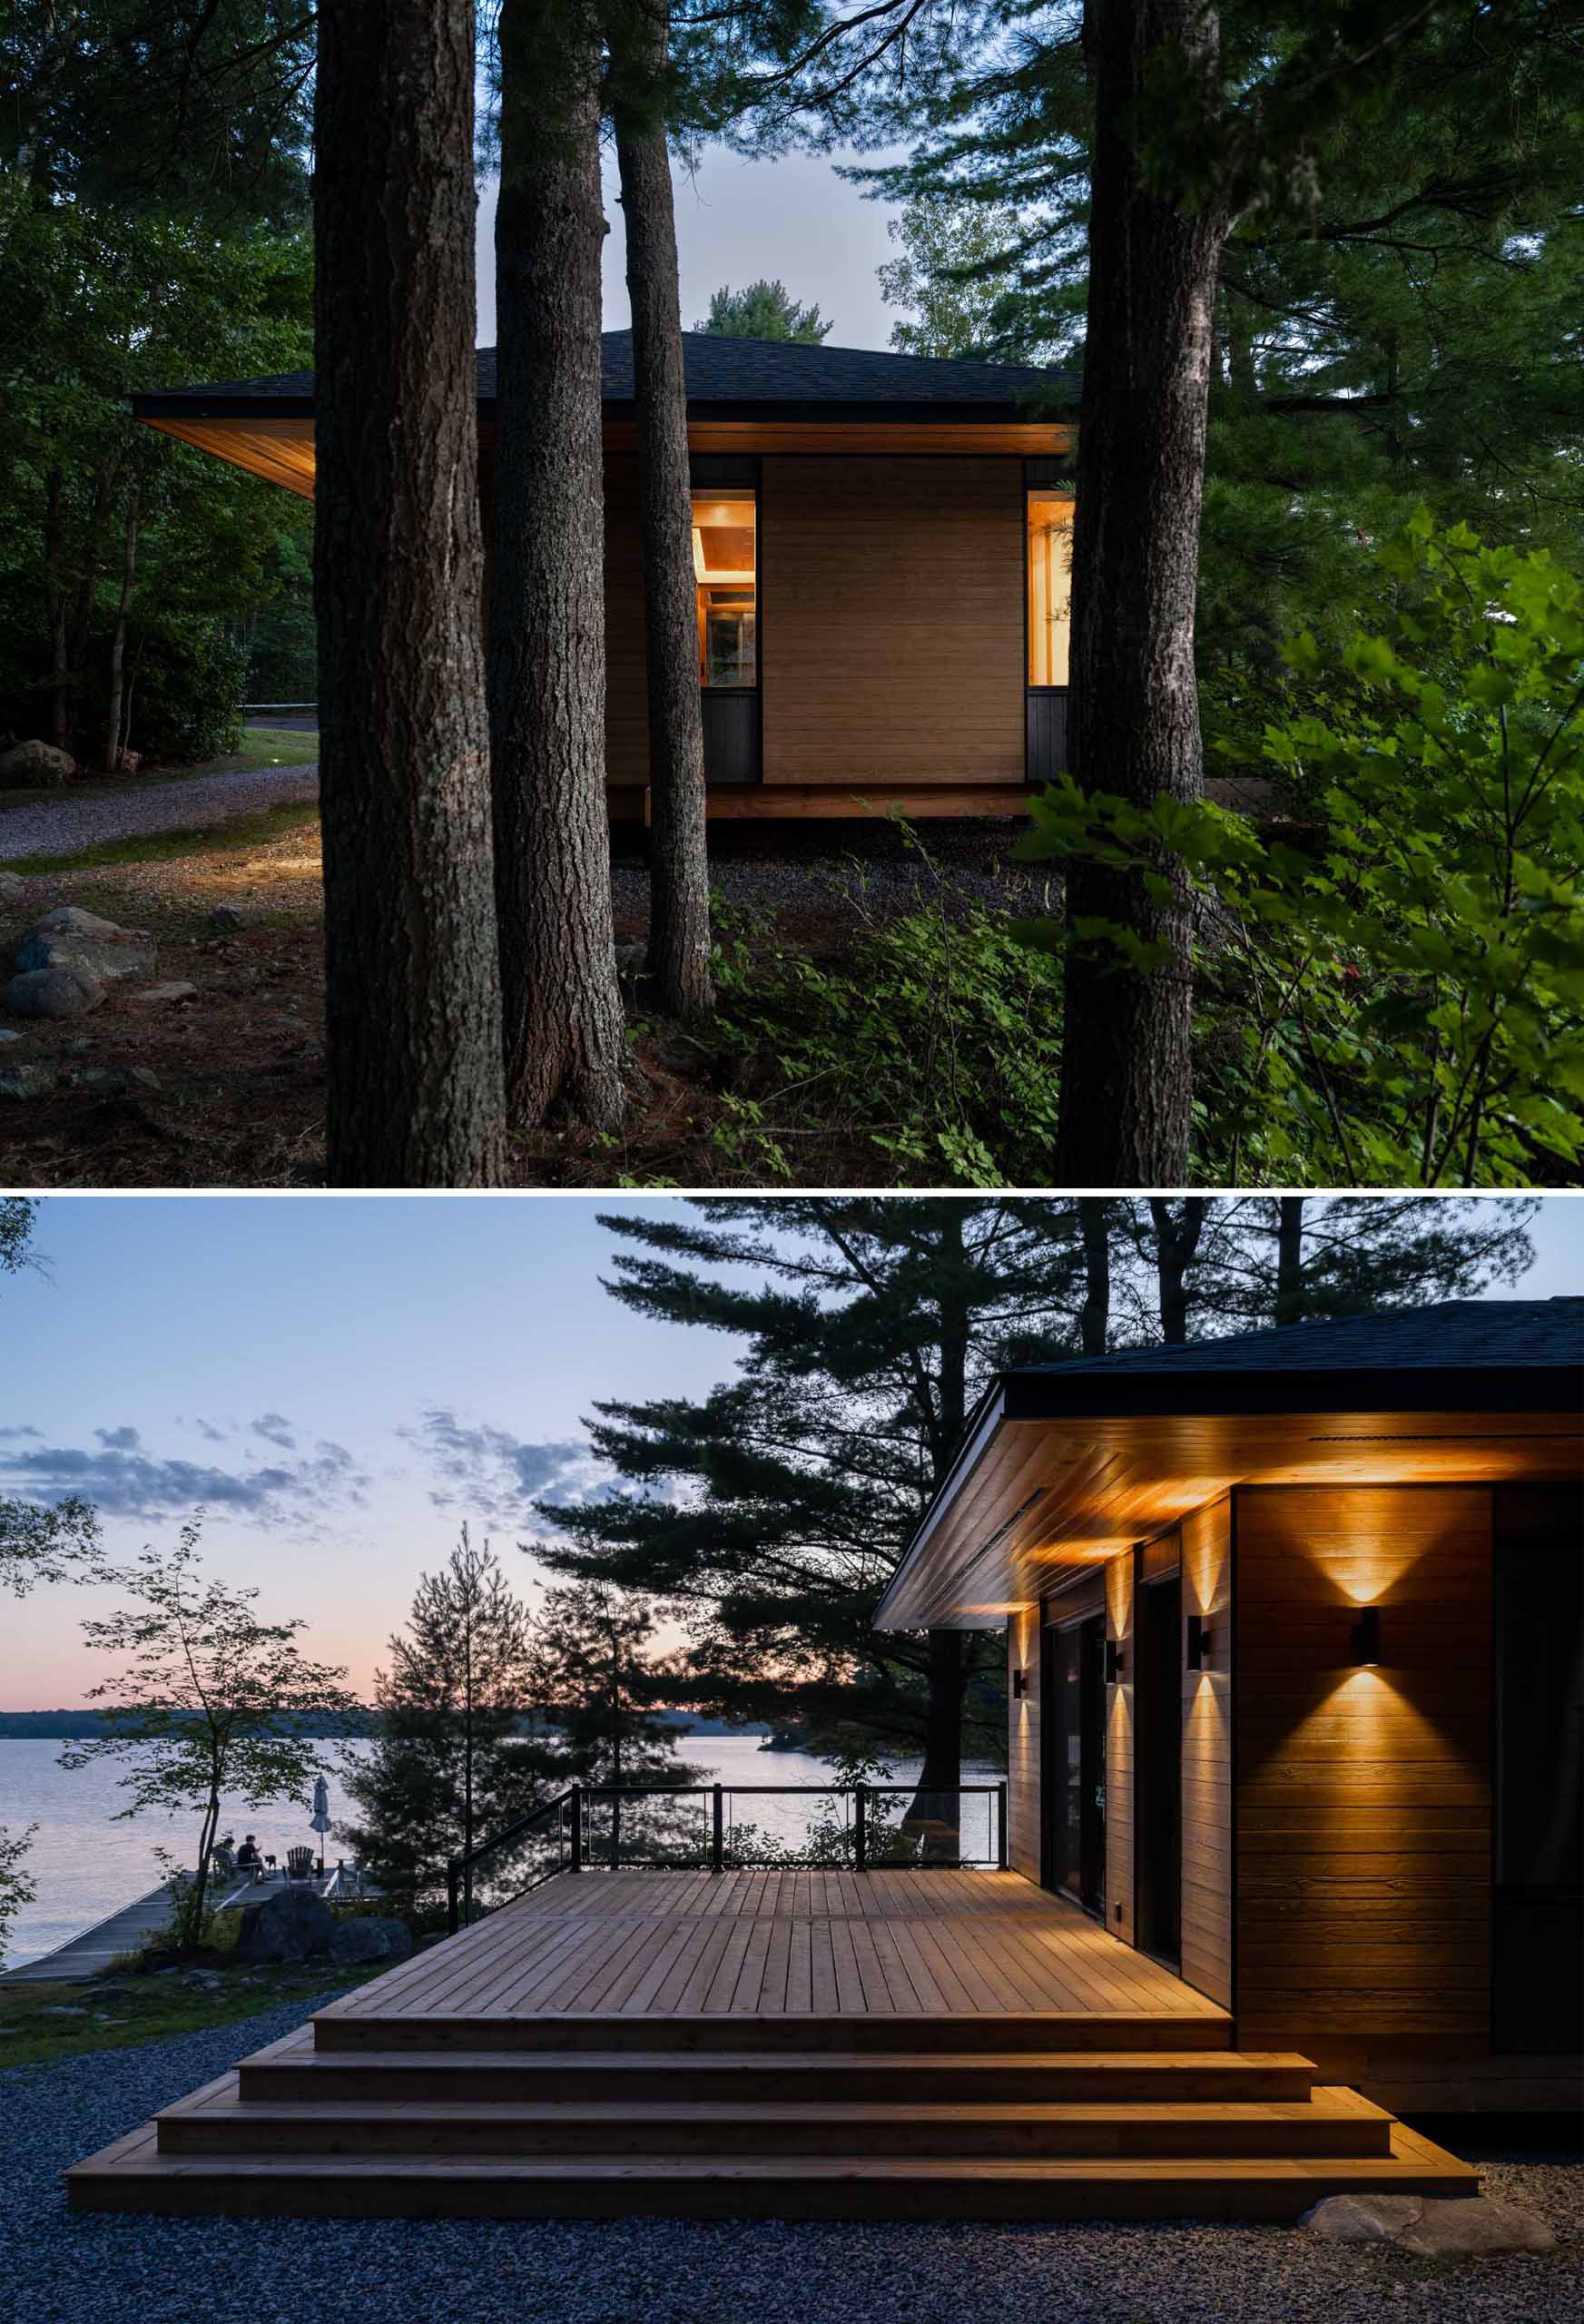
column 85, row 1864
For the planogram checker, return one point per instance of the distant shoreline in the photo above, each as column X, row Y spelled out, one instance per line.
column 75, row 1725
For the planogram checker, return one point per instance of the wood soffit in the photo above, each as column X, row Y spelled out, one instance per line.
column 279, row 445
column 1039, row 1497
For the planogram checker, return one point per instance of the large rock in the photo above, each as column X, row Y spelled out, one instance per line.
column 71, row 938
column 368, row 1939
column 1431, row 2226
column 27, row 1081
column 295, row 1925
column 35, row 766
column 12, row 886
column 54, row 992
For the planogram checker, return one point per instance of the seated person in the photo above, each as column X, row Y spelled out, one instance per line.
column 248, row 1857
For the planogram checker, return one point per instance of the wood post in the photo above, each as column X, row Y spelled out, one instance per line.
column 718, row 1830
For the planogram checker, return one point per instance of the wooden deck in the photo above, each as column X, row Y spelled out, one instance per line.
column 761, row 1944
column 790, row 2044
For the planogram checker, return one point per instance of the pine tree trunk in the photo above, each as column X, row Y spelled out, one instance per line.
column 415, row 1095
column 679, row 881
column 564, row 1024
column 1289, row 1259
column 1126, row 1079
column 1095, row 1315
column 55, row 612
column 1176, row 1240
column 118, row 638
column 946, row 1675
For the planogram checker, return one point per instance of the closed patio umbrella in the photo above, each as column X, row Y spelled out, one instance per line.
column 320, row 1821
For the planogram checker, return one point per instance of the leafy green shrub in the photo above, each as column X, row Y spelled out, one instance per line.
column 937, row 1040
column 187, row 681
column 1398, row 999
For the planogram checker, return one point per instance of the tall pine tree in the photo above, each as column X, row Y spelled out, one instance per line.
column 451, row 1763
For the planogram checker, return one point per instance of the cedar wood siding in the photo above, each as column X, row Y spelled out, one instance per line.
column 1364, row 1795
column 1120, row 1757
column 891, row 619
column 1023, row 1645
column 1206, row 1802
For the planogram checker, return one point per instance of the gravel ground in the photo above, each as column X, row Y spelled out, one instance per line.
column 64, row 825
column 57, row 2269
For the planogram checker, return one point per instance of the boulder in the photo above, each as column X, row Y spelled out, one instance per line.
column 54, row 992
column 35, row 766
column 115, row 1080
column 295, row 1925
column 71, row 938
column 175, row 990
column 27, row 1081
column 12, row 886
column 368, row 1939
column 224, row 917
column 1431, row 2226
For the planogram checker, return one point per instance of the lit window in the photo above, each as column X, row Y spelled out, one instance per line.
column 1051, row 534
column 723, row 568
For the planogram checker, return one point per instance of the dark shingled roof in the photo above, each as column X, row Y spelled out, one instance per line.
column 1460, row 1335
column 732, row 371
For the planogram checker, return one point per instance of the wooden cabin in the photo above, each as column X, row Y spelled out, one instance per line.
column 1295, row 1677
column 880, row 547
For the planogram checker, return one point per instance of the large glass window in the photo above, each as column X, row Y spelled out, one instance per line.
column 724, row 572
column 1050, row 533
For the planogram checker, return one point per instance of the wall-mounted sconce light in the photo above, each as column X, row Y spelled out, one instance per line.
column 1019, row 1684
column 1198, row 1642
column 1113, row 1661
column 1367, row 1637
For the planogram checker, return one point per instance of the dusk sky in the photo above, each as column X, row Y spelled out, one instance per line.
column 342, row 1382
column 737, row 220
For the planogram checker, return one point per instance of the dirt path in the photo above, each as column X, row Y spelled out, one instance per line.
column 66, row 825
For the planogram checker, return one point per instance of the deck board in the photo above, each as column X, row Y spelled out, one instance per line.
column 773, row 1943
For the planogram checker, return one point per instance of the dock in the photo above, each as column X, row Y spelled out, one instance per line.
column 84, row 1956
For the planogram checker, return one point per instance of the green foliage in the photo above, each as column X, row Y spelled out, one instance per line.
column 16, row 1887
column 762, row 311
column 1398, row 999
column 949, row 271
column 936, row 1040
column 197, row 1706
column 450, row 1765
column 101, row 304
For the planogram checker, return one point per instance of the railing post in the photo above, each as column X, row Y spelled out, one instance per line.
column 860, row 1834
column 577, row 1828
column 453, row 1917
column 1001, row 1826
column 718, row 1830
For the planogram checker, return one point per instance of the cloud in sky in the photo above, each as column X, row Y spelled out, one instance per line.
column 122, row 1479
column 210, row 1434
column 276, row 1428
column 487, row 1472
column 8, row 1434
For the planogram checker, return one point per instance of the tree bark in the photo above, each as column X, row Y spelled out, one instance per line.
column 563, row 1023
column 54, row 593
column 679, row 873
column 1126, row 1080
column 1289, row 1259
column 1095, row 1315
column 415, row 1094
column 1177, row 1239
column 118, row 636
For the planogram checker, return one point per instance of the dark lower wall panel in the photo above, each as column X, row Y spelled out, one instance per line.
column 1049, row 734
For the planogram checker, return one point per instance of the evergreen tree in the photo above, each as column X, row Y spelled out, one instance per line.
column 774, row 1510
column 603, row 1682
column 771, row 1514
column 763, row 310
column 452, row 1763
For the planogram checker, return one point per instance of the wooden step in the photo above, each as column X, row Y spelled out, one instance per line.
column 292, row 2072
column 216, row 2121
column 342, row 2029
column 132, row 2175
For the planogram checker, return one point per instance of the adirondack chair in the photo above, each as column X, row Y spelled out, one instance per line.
column 299, row 1864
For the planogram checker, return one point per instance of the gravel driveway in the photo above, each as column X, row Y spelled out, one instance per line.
column 59, row 2269
column 66, row 825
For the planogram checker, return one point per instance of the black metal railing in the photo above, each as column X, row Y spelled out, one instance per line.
column 626, row 1828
